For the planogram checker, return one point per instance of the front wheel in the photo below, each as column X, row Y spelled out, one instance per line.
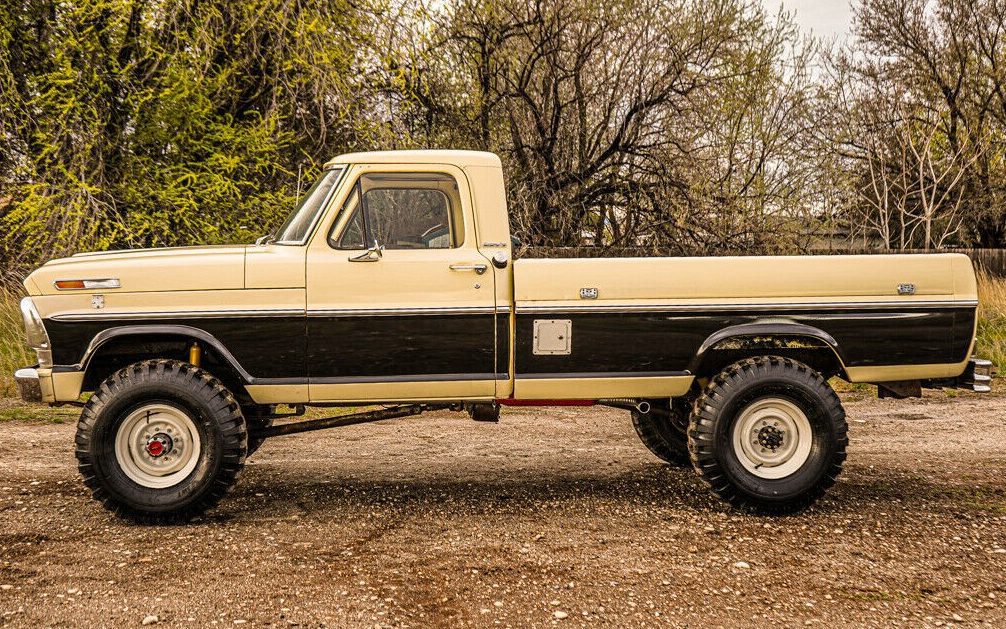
column 161, row 441
column 768, row 434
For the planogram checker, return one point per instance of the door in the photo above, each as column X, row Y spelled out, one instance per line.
column 400, row 302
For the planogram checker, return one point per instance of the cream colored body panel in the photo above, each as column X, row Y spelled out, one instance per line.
column 419, row 391
column 148, row 270
column 67, row 386
column 279, row 393
column 493, row 233
column 904, row 372
column 601, row 388
column 275, row 266
column 422, row 159
column 744, row 280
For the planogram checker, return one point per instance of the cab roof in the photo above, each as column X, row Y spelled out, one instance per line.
column 456, row 158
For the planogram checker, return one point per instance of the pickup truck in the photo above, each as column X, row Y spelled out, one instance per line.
column 392, row 285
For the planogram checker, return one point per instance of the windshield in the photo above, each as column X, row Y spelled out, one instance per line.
column 298, row 225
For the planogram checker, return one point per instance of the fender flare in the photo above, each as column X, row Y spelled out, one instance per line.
column 102, row 338
column 789, row 329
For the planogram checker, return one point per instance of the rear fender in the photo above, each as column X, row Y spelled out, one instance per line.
column 772, row 329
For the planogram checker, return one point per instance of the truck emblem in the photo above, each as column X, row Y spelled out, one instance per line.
column 588, row 293
column 906, row 289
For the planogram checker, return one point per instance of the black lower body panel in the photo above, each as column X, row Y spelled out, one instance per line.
column 645, row 342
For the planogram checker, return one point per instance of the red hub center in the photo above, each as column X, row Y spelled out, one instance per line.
column 158, row 445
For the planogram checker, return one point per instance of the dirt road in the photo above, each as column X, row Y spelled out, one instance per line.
column 553, row 517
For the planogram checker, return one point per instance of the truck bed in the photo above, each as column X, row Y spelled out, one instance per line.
column 652, row 316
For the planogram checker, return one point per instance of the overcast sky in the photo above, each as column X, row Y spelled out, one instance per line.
column 824, row 18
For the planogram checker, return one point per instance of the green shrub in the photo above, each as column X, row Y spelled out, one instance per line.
column 991, row 342
column 14, row 353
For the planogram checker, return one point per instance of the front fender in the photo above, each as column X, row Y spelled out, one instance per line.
column 181, row 331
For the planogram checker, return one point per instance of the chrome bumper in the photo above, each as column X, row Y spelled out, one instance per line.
column 977, row 376
column 28, row 385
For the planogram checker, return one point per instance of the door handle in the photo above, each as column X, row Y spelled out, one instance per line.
column 372, row 254
column 478, row 268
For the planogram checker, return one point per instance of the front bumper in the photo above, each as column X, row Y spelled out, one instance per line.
column 29, row 386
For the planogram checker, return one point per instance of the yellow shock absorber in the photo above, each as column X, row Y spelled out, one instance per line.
column 195, row 354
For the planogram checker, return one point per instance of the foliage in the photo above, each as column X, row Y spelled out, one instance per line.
column 917, row 124
column 991, row 339
column 127, row 123
column 14, row 353
column 688, row 125
column 633, row 122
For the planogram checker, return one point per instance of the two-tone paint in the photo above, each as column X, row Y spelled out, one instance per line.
column 305, row 323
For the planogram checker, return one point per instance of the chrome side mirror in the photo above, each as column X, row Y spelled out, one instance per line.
column 374, row 253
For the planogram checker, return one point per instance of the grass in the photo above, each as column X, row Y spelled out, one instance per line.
column 991, row 342
column 14, row 352
column 15, row 410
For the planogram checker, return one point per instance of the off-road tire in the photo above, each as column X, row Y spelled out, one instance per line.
column 258, row 417
column 710, row 439
column 212, row 409
column 660, row 436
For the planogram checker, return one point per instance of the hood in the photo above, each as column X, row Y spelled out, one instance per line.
column 147, row 270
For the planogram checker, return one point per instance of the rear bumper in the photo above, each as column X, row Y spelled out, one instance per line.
column 29, row 386
column 977, row 376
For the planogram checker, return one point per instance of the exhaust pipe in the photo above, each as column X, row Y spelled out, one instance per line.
column 628, row 404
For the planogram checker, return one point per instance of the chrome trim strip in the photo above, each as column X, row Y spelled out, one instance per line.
column 182, row 314
column 602, row 374
column 846, row 305
column 427, row 377
column 286, row 312
column 391, row 312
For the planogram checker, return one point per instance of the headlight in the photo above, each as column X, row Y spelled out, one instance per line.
column 38, row 339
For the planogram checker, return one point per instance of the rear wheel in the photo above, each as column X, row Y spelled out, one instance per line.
column 663, row 432
column 161, row 441
column 768, row 434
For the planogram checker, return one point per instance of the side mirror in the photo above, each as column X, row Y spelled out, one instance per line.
column 372, row 254
column 264, row 240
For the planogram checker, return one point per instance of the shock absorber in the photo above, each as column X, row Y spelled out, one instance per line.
column 195, row 354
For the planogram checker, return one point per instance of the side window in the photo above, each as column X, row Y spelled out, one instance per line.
column 408, row 218
column 352, row 235
column 402, row 211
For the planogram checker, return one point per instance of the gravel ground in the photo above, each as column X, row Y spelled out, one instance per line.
column 552, row 517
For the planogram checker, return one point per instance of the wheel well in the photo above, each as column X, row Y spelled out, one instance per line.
column 810, row 351
column 120, row 351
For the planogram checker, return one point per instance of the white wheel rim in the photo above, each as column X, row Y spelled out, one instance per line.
column 772, row 438
column 157, row 446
